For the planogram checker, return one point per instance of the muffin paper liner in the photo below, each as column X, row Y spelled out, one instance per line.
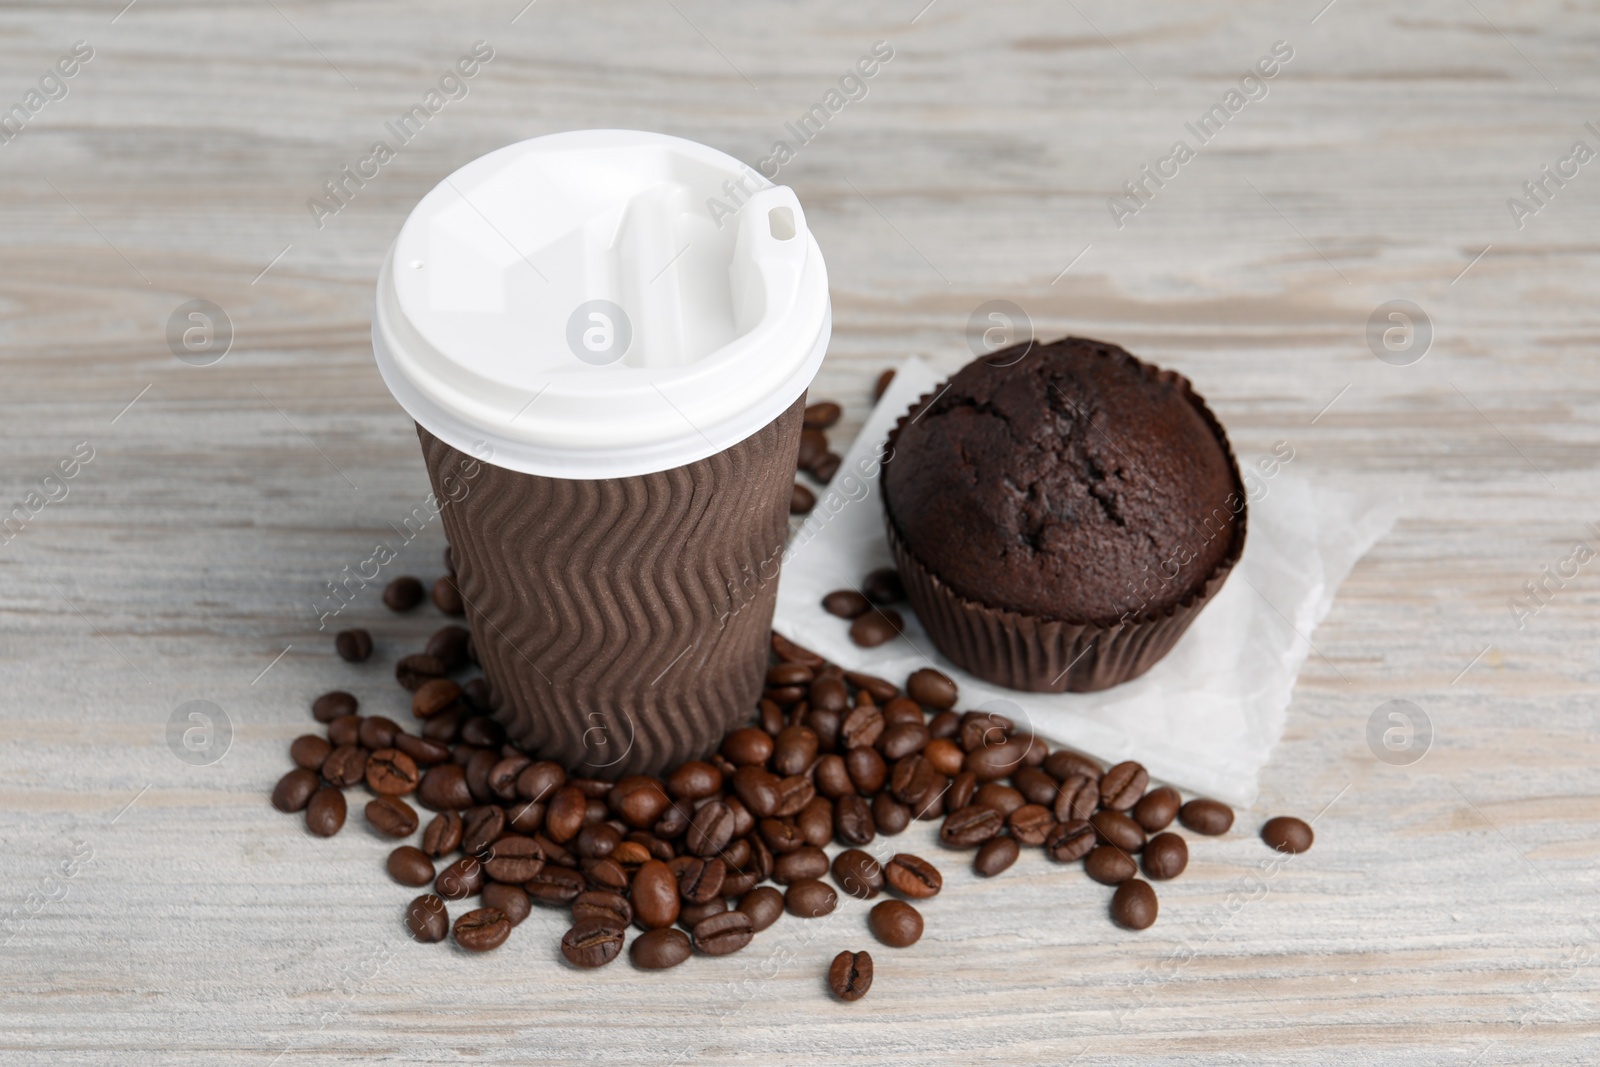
column 1040, row 654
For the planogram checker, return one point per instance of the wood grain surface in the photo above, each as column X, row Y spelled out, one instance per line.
column 158, row 912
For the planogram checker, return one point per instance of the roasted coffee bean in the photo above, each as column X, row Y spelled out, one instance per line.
column 982, row 729
column 1109, row 865
column 409, row 865
column 655, row 895
column 785, row 674
column 1157, row 808
column 971, row 826
column 514, row 859
column 503, row 777
column 825, row 724
column 744, row 822
column 605, row 874
column 482, row 730
column 813, row 446
column 1134, row 905
column 692, row 915
column 912, row 779
column 694, row 780
column 1031, row 824
column 353, row 646
column 747, row 746
column 780, row 835
column 443, row 834
column 1165, row 856
column 391, row 817
column 821, row 415
column 802, row 865
column 946, row 757
column 912, row 876
column 674, row 822
column 376, row 731
column 895, row 923
column 525, row 816
column 444, row 788
column 510, row 900
column 832, row 777
column 463, row 878
column 1078, row 797
column 764, row 904
column 539, row 781
column 861, row 726
column 996, row 855
column 604, row 904
column 345, row 730
column 944, row 726
column 565, row 813
column 853, row 820
column 858, row 873
column 330, row 706
column 770, row 717
column 447, row 598
column 902, row 739
column 876, row 628
column 1037, row 786
column 761, row 860
column 846, row 604
column 659, row 949
column 757, row 788
column 434, row 696
column 825, row 468
column 700, row 880
column 597, row 840
column 427, row 919
column 403, row 593
column 345, row 766
column 325, row 811
column 790, row 652
column 1070, row 840
column 850, row 975
column 794, row 750
column 811, row 898
column 816, row 822
column 883, row 586
column 1209, row 817
column 1287, row 834
column 591, row 943
column 1118, row 829
column 448, row 645
column 391, row 773
column 554, row 886
column 992, row 762
column 801, row 500
column 867, row 769
column 417, row 669
column 723, row 933
column 423, row 752
column 1034, row 750
column 828, row 692
column 889, row 815
column 630, row 854
column 931, row 689
column 932, row 805
column 638, row 800
column 445, row 727
column 962, row 791
column 1123, row 785
column 294, row 790
column 882, row 385
column 880, row 689
column 794, row 793
column 710, row 830
column 1063, row 764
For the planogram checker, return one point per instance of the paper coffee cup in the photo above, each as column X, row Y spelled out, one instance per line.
column 607, row 371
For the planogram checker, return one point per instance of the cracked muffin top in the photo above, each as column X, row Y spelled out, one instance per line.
column 1068, row 480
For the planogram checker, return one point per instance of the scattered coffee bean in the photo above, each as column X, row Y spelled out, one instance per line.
column 325, row 811
column 889, row 815
column 1165, row 856
column 510, row 900
column 1077, row 798
column 723, row 933
column 850, row 975
column 1070, row 840
column 376, row 731
column 345, row 730
column 409, row 865
column 895, row 923
column 1031, row 824
column 813, row 446
column 554, row 886
column 403, row 594
column 821, row 415
column 413, row 671
column 858, row 873
column 294, row 790
column 462, row 879
column 1117, row 829
column 604, row 904
column 1123, row 785
column 444, row 788
column 447, row 598
column 1109, row 865
column 932, row 689
column 443, row 835
column 876, row 628
column 825, row 468
column 995, row 856
column 353, row 646
column 330, row 706
column 448, row 645
column 513, row 858
column 1210, row 817
column 912, row 876
column 659, row 949
column 879, row 386
column 423, row 752
column 1157, row 808
column 391, row 817
column 433, row 696
column 801, row 500
column 810, row 899
column 971, row 826
column 883, row 586
column 1287, row 834
column 846, row 604
column 427, row 919
column 764, row 904
column 591, row 943
column 805, row 864
column 391, row 773
column 1134, row 905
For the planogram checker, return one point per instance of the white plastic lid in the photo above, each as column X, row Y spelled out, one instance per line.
column 581, row 303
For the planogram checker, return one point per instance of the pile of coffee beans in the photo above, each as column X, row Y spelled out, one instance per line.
column 816, row 457
column 833, row 757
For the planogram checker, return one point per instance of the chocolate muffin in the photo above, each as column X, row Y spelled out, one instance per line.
column 1060, row 513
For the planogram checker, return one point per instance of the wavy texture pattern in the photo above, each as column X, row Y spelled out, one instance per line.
column 622, row 622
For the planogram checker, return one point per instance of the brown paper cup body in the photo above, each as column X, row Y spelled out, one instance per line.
column 1038, row 654
column 623, row 623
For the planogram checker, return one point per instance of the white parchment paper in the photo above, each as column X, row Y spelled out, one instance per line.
column 1208, row 715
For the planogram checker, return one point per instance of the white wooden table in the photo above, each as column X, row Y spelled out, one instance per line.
column 1447, row 912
